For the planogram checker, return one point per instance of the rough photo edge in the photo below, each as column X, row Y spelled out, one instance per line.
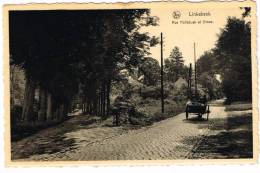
column 75, row 6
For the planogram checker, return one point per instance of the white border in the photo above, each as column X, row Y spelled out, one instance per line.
column 176, row 168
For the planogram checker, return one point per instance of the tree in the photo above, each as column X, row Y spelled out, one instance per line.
column 47, row 59
column 233, row 55
column 81, row 50
column 246, row 11
column 122, row 47
column 206, row 72
column 210, row 84
column 174, row 65
column 206, row 63
column 151, row 70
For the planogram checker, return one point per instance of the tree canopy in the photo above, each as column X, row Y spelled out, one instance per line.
column 62, row 51
column 233, row 55
column 174, row 65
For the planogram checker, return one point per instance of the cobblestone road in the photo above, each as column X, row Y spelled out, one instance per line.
column 173, row 138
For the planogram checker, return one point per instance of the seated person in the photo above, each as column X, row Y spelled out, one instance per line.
column 203, row 100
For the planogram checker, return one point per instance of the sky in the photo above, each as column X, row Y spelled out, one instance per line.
column 184, row 35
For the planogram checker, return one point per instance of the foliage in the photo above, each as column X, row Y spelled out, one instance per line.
column 151, row 110
column 64, row 52
column 246, row 11
column 16, row 85
column 16, row 113
column 174, row 65
column 211, row 86
column 150, row 92
column 151, row 70
column 233, row 55
column 206, row 63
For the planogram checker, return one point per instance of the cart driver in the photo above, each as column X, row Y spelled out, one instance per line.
column 204, row 99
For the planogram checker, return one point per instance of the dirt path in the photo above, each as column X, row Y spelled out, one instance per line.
column 173, row 138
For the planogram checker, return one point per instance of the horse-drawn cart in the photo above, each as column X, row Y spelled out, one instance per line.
column 198, row 108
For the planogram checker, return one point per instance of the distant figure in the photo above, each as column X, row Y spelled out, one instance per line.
column 116, row 110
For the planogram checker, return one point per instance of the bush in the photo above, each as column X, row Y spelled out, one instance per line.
column 180, row 94
column 153, row 92
column 139, row 118
column 158, row 116
column 151, row 109
column 128, row 91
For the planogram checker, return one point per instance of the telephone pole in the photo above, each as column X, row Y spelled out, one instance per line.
column 195, row 70
column 162, row 93
column 190, row 82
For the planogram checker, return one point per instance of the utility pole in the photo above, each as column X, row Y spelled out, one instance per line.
column 162, row 95
column 195, row 70
column 189, row 82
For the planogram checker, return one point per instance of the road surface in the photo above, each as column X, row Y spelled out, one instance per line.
column 224, row 135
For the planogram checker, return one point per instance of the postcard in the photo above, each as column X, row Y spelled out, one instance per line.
column 130, row 83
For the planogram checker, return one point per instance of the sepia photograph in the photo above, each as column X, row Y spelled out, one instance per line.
column 137, row 82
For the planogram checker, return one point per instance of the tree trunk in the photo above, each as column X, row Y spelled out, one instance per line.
column 103, row 99
column 65, row 110
column 55, row 113
column 88, row 106
column 43, row 105
column 55, row 110
column 108, row 97
column 28, row 100
column 49, row 107
column 61, row 115
column 94, row 106
column 69, row 107
column 99, row 103
column 85, row 107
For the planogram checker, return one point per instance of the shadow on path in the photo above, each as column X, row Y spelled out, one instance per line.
column 52, row 139
column 230, row 138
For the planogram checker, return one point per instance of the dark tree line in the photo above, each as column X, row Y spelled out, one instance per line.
column 231, row 58
column 64, row 53
column 233, row 53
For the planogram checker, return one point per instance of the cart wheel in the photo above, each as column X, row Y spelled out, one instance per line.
column 187, row 113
